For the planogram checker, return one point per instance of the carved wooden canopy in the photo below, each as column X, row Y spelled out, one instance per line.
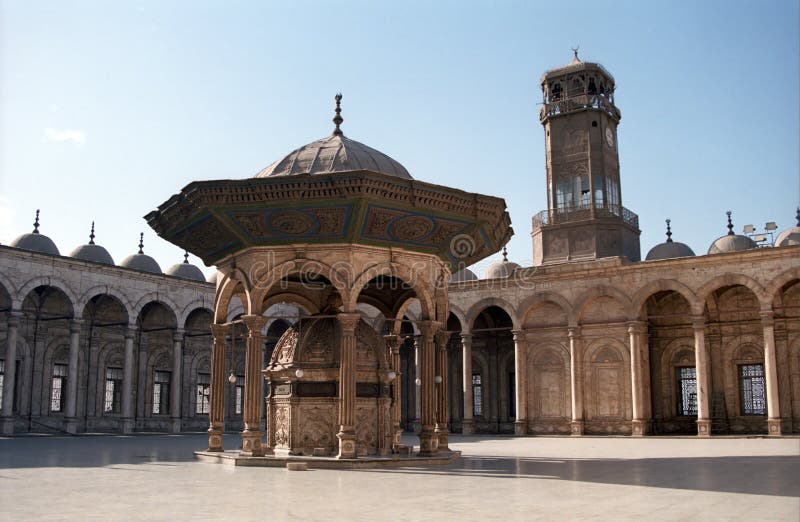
column 215, row 219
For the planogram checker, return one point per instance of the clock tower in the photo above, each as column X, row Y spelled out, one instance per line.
column 585, row 218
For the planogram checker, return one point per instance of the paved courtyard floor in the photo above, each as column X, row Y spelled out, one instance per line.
column 154, row 477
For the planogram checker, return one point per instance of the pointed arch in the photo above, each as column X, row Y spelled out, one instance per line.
column 31, row 284
column 486, row 302
column 91, row 293
column 396, row 270
column 705, row 291
column 660, row 285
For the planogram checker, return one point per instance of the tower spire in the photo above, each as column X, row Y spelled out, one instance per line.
column 730, row 224
column 36, row 223
column 669, row 231
column 186, row 256
column 338, row 118
column 91, row 235
column 505, row 255
column 141, row 242
column 575, row 58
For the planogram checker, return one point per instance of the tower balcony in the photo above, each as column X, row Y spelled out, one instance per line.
column 558, row 216
column 578, row 103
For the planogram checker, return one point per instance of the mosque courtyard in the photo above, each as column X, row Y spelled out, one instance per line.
column 155, row 477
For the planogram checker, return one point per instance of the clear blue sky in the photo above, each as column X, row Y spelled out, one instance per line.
column 108, row 108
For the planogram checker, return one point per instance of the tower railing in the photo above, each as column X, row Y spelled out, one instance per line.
column 572, row 214
column 579, row 102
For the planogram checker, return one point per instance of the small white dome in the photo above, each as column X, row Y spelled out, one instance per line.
column 669, row 249
column 501, row 269
column 463, row 275
column 731, row 243
column 141, row 261
column 36, row 242
column 186, row 270
column 92, row 252
column 790, row 236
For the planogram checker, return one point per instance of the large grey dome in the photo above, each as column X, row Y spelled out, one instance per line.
column 186, row 270
column 35, row 241
column 334, row 154
column 92, row 252
column 141, row 261
column 463, row 275
column 790, row 236
column 731, row 243
column 669, row 249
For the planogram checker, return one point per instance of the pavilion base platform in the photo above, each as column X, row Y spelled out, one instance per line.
column 234, row 458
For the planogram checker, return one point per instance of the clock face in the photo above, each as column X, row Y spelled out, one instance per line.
column 609, row 137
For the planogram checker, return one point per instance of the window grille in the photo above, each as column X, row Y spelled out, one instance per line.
column 477, row 395
column 687, row 391
column 161, row 392
column 57, row 390
column 751, row 386
column 239, row 394
column 203, row 398
column 112, row 399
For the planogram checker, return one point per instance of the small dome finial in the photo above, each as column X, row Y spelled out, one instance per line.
column 141, row 242
column 36, row 223
column 91, row 235
column 575, row 58
column 186, row 256
column 338, row 118
column 505, row 255
column 797, row 216
column 669, row 231
column 730, row 224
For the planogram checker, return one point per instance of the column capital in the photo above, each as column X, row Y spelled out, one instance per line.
column 393, row 342
column 75, row 325
column 573, row 332
column 219, row 331
column 348, row 321
column 254, row 323
column 130, row 331
column 441, row 337
column 466, row 337
column 177, row 336
column 428, row 328
column 767, row 318
column 636, row 327
column 698, row 321
column 518, row 335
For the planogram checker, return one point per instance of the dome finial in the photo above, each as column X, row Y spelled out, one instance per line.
column 186, row 256
column 338, row 118
column 575, row 58
column 141, row 242
column 797, row 216
column 730, row 224
column 36, row 223
column 91, row 235
column 505, row 255
column 669, row 231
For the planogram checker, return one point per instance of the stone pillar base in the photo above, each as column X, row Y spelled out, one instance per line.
column 7, row 425
column 703, row 427
column 520, row 427
column 214, row 440
column 774, row 427
column 251, row 444
column 576, row 428
column 443, row 436
column 71, row 425
column 347, row 445
column 467, row 427
column 126, row 426
column 428, row 443
column 176, row 426
column 640, row 428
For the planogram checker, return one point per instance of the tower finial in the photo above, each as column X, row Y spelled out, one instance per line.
column 91, row 235
column 505, row 255
column 797, row 216
column 730, row 224
column 575, row 58
column 338, row 118
column 669, row 231
column 36, row 223
column 186, row 256
column 141, row 242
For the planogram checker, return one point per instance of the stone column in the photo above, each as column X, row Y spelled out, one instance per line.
column 467, row 426
column 347, row 386
column 521, row 384
column 70, row 417
column 393, row 342
column 576, row 380
column 253, row 359
column 701, row 372
column 771, row 374
column 442, row 411
column 636, row 331
column 428, row 442
column 126, row 426
column 177, row 380
column 216, row 416
column 417, row 404
column 9, row 386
